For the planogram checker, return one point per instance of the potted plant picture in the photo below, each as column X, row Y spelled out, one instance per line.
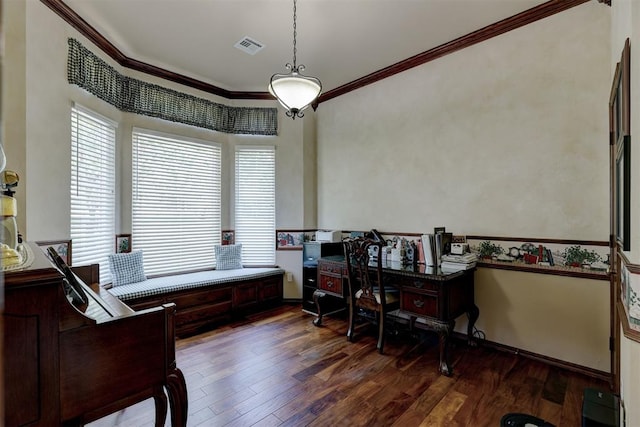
column 488, row 250
column 576, row 256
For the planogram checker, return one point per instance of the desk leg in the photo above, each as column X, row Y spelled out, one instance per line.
column 445, row 333
column 178, row 401
column 473, row 315
column 317, row 295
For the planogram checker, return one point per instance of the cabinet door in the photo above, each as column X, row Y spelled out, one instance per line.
column 245, row 295
column 31, row 354
column 271, row 290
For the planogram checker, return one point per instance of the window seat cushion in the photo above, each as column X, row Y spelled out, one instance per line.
column 178, row 282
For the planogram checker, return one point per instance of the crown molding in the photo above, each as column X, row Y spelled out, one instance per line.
column 534, row 14
column 76, row 21
column 527, row 17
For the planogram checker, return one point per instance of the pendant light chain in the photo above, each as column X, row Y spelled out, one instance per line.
column 295, row 49
column 294, row 90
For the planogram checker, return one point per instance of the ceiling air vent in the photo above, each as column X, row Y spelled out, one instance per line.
column 248, row 45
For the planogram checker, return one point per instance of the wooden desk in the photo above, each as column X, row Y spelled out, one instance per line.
column 436, row 298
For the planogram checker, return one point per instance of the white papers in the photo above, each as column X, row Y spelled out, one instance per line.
column 451, row 263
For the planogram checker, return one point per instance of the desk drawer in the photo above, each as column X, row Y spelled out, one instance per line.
column 331, row 268
column 414, row 282
column 331, row 284
column 419, row 304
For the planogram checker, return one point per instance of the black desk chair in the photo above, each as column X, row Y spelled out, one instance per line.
column 368, row 297
column 523, row 420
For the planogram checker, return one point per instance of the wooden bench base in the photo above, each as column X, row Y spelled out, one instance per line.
column 200, row 308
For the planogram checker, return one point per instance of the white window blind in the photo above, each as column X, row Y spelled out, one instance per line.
column 93, row 141
column 255, row 204
column 176, row 201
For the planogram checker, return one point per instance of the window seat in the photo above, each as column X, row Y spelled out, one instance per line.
column 206, row 297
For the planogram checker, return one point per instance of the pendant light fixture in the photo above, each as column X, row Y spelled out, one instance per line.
column 294, row 90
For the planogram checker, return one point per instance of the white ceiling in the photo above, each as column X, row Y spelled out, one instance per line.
column 338, row 41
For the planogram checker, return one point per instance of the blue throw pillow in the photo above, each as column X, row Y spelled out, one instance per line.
column 126, row 268
column 228, row 257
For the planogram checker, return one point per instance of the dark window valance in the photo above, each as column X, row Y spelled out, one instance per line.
column 93, row 74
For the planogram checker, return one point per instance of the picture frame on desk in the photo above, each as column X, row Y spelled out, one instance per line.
column 62, row 247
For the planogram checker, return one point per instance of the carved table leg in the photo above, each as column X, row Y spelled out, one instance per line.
column 445, row 332
column 177, row 390
column 317, row 295
column 161, row 406
column 473, row 315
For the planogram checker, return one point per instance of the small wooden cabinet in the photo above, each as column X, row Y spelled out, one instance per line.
column 330, row 278
column 312, row 251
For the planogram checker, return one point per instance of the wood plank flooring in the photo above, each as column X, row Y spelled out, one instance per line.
column 277, row 369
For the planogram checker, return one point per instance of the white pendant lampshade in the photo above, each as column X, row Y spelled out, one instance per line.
column 293, row 90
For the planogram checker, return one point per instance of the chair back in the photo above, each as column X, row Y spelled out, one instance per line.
column 364, row 265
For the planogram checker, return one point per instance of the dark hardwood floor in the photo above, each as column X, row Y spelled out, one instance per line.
column 277, row 369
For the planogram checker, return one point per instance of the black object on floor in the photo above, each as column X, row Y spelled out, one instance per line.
column 600, row 408
column 523, row 420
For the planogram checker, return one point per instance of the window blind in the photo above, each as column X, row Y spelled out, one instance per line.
column 176, row 201
column 93, row 141
column 255, row 201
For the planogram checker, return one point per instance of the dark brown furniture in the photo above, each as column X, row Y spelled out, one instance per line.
column 435, row 298
column 63, row 366
column 199, row 308
column 368, row 297
column 311, row 252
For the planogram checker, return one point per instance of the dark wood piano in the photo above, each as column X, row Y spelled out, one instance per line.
column 71, row 363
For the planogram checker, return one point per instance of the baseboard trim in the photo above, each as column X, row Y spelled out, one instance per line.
column 573, row 367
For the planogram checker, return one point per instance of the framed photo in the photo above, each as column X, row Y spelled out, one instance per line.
column 123, row 243
column 290, row 239
column 63, row 247
column 228, row 237
column 620, row 141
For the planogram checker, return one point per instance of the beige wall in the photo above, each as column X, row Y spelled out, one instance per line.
column 506, row 138
column 37, row 134
column 565, row 318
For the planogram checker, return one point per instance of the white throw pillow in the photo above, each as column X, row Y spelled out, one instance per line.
column 126, row 268
column 228, row 257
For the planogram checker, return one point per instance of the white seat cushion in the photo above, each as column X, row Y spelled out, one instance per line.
column 391, row 296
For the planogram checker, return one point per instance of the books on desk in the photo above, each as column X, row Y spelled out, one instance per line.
column 452, row 263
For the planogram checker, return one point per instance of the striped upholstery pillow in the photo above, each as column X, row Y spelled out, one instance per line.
column 228, row 257
column 126, row 268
